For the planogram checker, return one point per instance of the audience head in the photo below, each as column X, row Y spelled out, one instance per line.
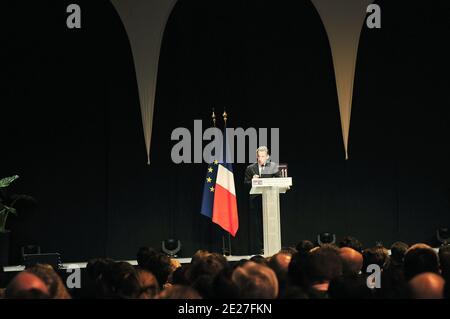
column 223, row 286
column 375, row 256
column 321, row 266
column 27, row 285
column 96, row 267
column 349, row 287
column 206, row 264
column 56, row 287
column 121, row 280
column 259, row 260
column 148, row 284
column 420, row 258
column 398, row 251
column 179, row 276
column 427, row 285
column 351, row 242
column 157, row 263
column 444, row 261
column 255, row 281
column 178, row 292
column 280, row 263
column 199, row 254
column 352, row 261
column 304, row 246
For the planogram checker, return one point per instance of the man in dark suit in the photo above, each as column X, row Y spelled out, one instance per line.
column 263, row 168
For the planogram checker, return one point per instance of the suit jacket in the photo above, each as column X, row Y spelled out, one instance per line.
column 270, row 170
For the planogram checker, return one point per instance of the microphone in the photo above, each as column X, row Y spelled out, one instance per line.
column 263, row 166
column 266, row 162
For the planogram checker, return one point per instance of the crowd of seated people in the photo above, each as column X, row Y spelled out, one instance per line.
column 308, row 271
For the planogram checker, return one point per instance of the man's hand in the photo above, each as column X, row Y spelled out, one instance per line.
column 255, row 176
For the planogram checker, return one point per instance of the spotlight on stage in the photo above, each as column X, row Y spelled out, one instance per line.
column 52, row 259
column 326, row 238
column 171, row 247
column 443, row 236
column 30, row 249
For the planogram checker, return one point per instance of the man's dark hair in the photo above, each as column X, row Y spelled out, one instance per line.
column 288, row 250
column 398, row 251
column 280, row 265
column 349, row 287
column 293, row 292
column 94, row 285
column 447, row 290
column 122, row 281
column 143, row 254
column 223, row 286
column 304, row 246
column 351, row 242
column 97, row 266
column 216, row 284
column 296, row 269
column 204, row 286
column 444, row 260
column 259, row 259
column 209, row 264
column 394, row 285
column 420, row 260
column 375, row 255
column 155, row 262
column 179, row 276
column 323, row 264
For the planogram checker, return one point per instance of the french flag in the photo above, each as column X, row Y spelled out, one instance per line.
column 219, row 196
column 225, row 212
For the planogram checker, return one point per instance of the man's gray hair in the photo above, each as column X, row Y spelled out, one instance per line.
column 262, row 149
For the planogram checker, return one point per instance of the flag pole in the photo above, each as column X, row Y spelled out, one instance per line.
column 213, row 116
column 225, row 118
column 224, row 249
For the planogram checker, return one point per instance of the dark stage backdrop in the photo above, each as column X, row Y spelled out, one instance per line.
column 70, row 124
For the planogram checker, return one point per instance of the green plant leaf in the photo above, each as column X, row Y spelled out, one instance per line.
column 4, row 182
column 10, row 210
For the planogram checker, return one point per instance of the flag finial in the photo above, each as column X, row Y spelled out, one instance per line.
column 213, row 116
column 225, row 116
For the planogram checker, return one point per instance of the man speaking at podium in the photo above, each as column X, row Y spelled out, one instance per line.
column 263, row 168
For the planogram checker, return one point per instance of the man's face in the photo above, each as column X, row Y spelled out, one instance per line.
column 149, row 285
column 261, row 156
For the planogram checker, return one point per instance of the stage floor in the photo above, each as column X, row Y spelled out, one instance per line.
column 78, row 265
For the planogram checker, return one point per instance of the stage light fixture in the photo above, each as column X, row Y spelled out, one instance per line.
column 443, row 236
column 171, row 247
column 30, row 249
column 326, row 238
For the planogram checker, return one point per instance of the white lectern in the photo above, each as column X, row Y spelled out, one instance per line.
column 270, row 188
